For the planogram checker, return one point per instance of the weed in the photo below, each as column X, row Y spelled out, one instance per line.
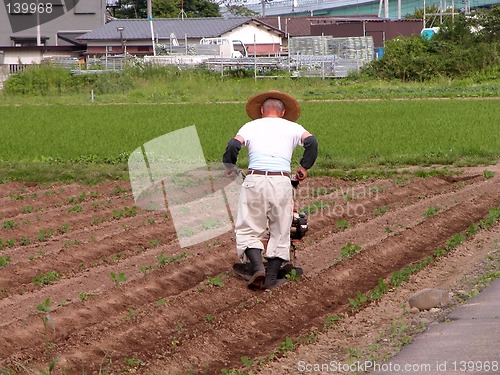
column 388, row 230
column 118, row 278
column 50, row 277
column 216, row 280
column 95, row 221
column 16, row 197
column 94, row 194
column 25, row 241
column 342, row 224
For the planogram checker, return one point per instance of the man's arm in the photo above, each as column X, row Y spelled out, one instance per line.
column 230, row 156
column 310, row 155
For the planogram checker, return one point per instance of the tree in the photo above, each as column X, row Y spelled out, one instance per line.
column 132, row 9
column 240, row 10
column 168, row 8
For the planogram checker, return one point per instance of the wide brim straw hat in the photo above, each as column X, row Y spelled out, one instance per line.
column 292, row 108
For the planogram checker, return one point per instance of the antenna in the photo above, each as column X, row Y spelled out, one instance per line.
column 182, row 14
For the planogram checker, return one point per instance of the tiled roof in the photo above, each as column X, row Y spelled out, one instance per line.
column 163, row 27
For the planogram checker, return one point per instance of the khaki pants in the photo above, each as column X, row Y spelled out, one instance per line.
column 265, row 206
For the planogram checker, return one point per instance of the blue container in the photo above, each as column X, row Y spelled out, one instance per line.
column 379, row 52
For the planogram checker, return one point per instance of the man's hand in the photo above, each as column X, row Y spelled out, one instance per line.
column 230, row 172
column 301, row 173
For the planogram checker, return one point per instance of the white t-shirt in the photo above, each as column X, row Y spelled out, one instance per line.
column 270, row 142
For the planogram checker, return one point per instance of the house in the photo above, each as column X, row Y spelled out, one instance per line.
column 381, row 29
column 29, row 33
column 136, row 36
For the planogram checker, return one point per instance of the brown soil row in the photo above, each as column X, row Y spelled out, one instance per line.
column 174, row 320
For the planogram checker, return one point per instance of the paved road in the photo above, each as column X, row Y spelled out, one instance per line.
column 468, row 342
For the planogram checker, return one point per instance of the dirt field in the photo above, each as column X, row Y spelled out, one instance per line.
column 181, row 311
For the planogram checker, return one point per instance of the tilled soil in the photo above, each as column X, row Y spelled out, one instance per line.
column 181, row 311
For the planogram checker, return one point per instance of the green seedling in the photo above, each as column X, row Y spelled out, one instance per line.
column 293, row 276
column 118, row 278
column 9, row 224
column 349, row 250
column 357, row 302
column 438, row 253
column 65, row 228
column 342, row 224
column 50, row 277
column 4, row 261
column 331, row 320
column 379, row 291
column 84, row 295
column 488, row 174
column 209, row 319
column 76, row 208
column 216, row 281
column 27, row 209
column 44, row 234
column 381, row 210
column 132, row 313
column 44, row 310
column 162, row 259
column 431, row 211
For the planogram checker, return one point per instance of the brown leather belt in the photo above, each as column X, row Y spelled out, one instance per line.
column 267, row 173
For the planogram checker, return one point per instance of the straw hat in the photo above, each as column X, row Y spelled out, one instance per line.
column 292, row 108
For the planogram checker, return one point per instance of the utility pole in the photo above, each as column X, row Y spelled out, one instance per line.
column 150, row 18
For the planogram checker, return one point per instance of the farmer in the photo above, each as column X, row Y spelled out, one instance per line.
column 266, row 198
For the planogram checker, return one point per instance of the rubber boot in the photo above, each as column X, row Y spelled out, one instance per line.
column 259, row 272
column 273, row 267
column 243, row 270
